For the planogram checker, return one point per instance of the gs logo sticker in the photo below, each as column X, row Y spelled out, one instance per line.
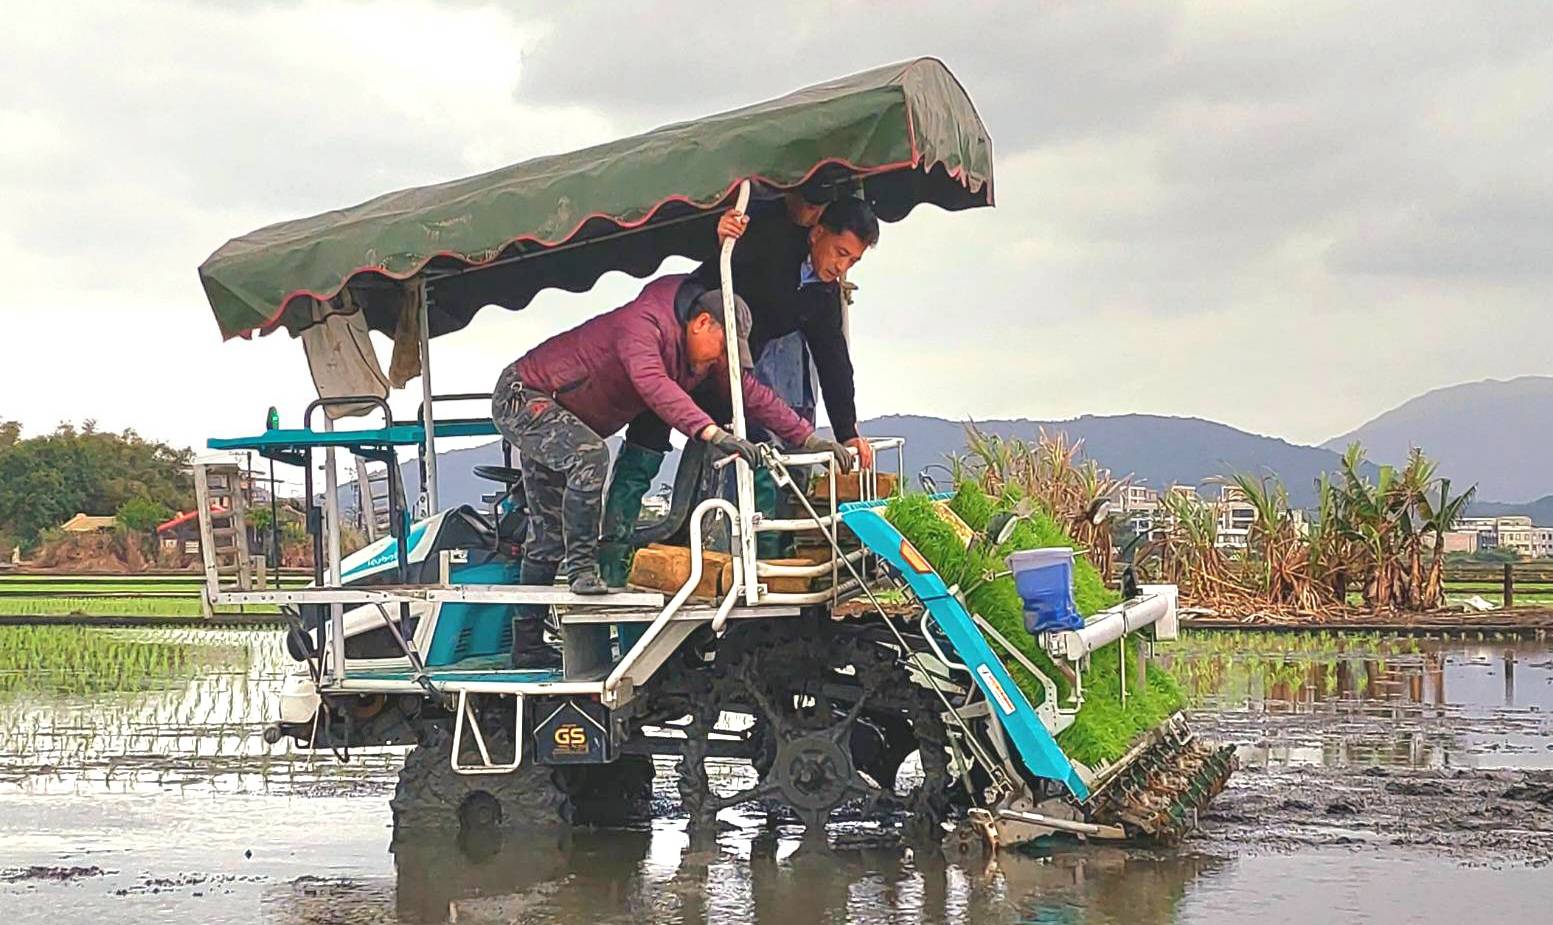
column 571, row 738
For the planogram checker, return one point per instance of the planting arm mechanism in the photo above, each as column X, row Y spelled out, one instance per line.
column 1037, row 749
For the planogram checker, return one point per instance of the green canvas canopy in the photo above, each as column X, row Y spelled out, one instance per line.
column 907, row 133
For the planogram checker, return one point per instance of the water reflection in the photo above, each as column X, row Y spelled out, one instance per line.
column 657, row 876
column 187, row 713
column 1363, row 699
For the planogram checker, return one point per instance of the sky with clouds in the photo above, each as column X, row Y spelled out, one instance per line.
column 1286, row 217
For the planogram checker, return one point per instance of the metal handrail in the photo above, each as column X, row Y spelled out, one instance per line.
column 697, row 566
column 764, row 568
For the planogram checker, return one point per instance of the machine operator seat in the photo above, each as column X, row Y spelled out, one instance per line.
column 509, row 508
column 506, row 475
column 694, row 481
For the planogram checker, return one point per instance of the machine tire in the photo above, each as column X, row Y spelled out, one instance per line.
column 430, row 796
column 614, row 794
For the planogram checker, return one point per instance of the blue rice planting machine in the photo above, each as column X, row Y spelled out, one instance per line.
column 849, row 681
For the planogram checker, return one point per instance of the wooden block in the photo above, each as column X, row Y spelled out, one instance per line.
column 849, row 486
column 667, row 568
column 712, row 585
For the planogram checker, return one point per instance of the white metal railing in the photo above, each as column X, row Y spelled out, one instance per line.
column 774, row 570
column 697, row 568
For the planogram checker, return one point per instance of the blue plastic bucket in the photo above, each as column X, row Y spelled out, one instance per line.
column 1044, row 578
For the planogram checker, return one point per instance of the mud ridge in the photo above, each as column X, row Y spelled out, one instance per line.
column 1469, row 814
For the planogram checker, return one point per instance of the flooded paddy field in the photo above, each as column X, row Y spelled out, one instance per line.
column 1384, row 780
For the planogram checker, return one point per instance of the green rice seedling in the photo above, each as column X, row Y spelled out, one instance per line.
column 1105, row 727
column 88, row 660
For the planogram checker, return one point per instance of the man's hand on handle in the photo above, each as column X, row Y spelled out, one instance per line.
column 865, row 450
column 732, row 225
column 729, row 445
column 818, row 444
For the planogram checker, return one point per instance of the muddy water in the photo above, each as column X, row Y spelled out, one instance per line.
column 1385, row 782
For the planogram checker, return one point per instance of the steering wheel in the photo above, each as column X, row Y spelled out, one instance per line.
column 503, row 474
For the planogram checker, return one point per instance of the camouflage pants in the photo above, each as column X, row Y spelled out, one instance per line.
column 564, row 465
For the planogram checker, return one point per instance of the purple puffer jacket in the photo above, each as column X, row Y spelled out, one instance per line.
column 609, row 369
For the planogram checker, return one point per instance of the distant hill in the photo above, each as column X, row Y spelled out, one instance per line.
column 1155, row 450
column 1493, row 433
column 1540, row 511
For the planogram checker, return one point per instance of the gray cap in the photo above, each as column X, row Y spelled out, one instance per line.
column 711, row 302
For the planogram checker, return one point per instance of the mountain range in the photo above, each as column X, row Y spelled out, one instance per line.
column 1497, row 434
column 1488, row 433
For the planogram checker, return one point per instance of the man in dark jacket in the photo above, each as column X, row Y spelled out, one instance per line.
column 790, row 273
column 558, row 402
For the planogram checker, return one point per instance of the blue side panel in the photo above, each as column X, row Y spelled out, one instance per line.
column 468, row 630
column 1037, row 749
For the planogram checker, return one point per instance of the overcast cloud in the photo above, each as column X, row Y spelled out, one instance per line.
column 1285, row 217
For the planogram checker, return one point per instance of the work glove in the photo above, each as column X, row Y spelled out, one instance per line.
column 729, row 445
column 817, row 444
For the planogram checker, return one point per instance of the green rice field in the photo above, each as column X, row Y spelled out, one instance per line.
column 113, row 596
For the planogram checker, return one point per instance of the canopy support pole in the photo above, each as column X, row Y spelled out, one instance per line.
column 430, row 470
column 332, row 539
column 744, row 477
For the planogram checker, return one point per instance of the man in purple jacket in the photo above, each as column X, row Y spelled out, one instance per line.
column 557, row 403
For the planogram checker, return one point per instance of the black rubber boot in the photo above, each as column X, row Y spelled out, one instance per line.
column 529, row 649
column 530, row 652
column 629, row 481
column 587, row 581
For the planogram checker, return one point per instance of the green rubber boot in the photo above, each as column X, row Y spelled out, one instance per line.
column 635, row 468
column 769, row 545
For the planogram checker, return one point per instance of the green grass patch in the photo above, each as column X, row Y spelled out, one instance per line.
column 101, row 606
column 1104, row 729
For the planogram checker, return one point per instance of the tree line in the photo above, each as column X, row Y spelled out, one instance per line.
column 47, row 479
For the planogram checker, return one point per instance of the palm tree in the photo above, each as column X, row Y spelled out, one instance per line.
column 1369, row 521
column 1412, row 490
column 1440, row 517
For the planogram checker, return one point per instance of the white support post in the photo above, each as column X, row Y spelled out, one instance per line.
column 332, row 547
column 207, row 541
column 430, row 415
column 368, row 505
column 744, row 477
